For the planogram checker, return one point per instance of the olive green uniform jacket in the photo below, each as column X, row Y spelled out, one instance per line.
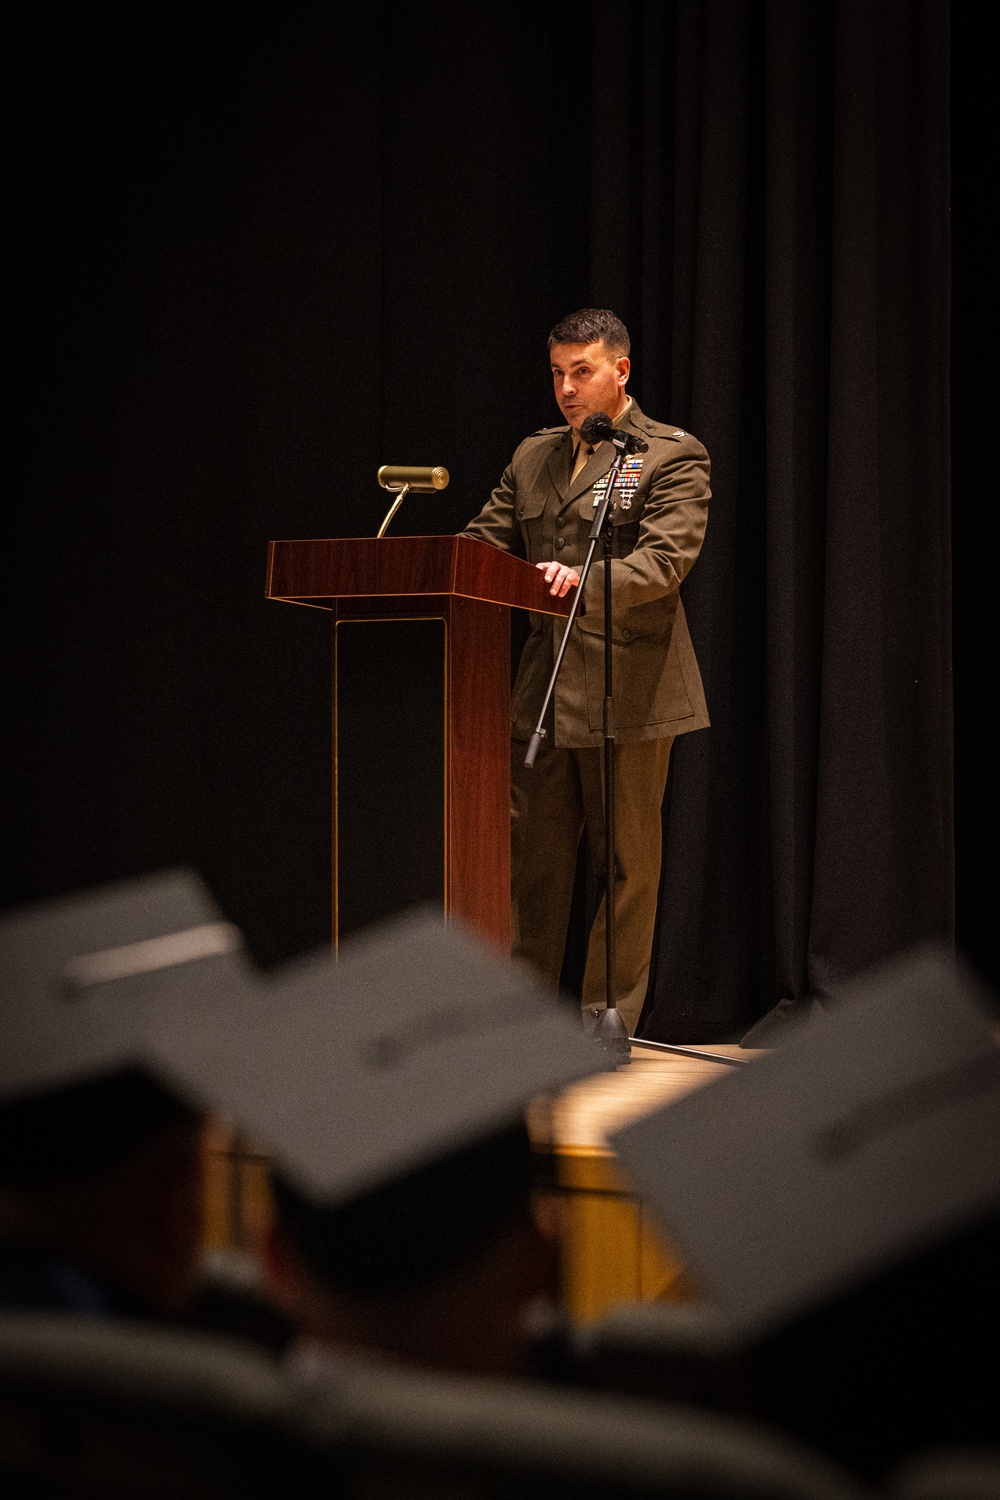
column 659, row 525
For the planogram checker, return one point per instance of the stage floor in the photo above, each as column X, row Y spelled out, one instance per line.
column 584, row 1115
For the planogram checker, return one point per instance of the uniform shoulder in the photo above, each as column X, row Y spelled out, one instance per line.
column 668, row 430
column 537, row 443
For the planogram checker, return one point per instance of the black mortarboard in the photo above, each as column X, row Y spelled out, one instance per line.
column 415, row 1043
column 80, row 975
column 872, row 1134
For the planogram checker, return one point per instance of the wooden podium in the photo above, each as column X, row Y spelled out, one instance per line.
column 421, row 718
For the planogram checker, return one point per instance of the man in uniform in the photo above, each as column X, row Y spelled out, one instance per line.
column 543, row 509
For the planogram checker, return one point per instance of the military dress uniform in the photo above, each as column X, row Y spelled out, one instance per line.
column 542, row 512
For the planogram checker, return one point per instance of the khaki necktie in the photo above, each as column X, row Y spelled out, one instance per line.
column 583, row 453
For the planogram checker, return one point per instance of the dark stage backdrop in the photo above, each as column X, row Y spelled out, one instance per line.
column 262, row 257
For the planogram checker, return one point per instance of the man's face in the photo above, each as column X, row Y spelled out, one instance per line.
column 587, row 378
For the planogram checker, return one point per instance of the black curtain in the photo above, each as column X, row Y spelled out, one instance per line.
column 261, row 256
column 809, row 833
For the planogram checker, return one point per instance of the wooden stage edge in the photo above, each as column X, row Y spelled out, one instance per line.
column 613, row 1251
column 586, row 1114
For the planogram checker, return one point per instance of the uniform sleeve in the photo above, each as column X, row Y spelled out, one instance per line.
column 671, row 532
column 497, row 522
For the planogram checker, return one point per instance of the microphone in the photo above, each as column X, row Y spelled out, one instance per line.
column 597, row 428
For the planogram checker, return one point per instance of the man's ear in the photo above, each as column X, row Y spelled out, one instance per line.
column 623, row 366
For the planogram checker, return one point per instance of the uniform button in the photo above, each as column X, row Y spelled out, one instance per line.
column 626, row 633
column 560, row 543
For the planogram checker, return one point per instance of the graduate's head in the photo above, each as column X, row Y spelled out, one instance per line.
column 440, row 1267
column 101, row 1154
column 390, row 1090
column 108, row 1173
column 839, row 1201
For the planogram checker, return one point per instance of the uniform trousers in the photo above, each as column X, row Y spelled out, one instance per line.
column 551, row 807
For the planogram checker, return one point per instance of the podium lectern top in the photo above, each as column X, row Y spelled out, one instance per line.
column 311, row 572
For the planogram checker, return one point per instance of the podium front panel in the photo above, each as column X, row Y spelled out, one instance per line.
column 390, row 768
column 421, row 718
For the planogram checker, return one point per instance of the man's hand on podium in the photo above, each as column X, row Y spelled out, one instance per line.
column 560, row 577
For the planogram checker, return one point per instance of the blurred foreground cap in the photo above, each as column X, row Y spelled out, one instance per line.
column 416, row 1042
column 872, row 1134
column 79, row 975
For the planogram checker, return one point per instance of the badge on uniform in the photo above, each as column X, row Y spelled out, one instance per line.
column 628, row 483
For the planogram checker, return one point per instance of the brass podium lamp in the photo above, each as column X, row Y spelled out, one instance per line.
column 405, row 477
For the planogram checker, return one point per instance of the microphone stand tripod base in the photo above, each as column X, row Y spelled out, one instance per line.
column 611, row 1034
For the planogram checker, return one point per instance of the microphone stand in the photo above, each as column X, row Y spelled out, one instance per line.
column 610, row 1030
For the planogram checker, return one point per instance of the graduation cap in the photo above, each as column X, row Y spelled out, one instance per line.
column 873, row 1134
column 415, row 1042
column 79, row 977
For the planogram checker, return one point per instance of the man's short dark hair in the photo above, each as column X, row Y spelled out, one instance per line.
column 408, row 1233
column 592, row 325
